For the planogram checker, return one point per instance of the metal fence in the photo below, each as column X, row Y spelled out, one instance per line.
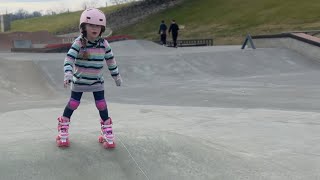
column 192, row 42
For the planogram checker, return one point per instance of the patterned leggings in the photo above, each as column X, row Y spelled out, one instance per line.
column 74, row 102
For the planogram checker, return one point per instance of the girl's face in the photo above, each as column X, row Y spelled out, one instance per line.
column 93, row 31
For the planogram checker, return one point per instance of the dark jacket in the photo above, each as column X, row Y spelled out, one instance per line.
column 163, row 29
column 174, row 28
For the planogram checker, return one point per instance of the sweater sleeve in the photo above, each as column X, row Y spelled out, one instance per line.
column 110, row 60
column 71, row 56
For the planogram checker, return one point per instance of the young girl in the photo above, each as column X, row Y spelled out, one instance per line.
column 83, row 66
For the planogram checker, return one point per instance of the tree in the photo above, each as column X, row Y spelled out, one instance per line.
column 117, row 2
column 21, row 14
column 89, row 4
column 50, row 12
column 36, row 14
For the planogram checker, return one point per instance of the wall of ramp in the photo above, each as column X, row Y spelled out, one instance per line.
column 301, row 42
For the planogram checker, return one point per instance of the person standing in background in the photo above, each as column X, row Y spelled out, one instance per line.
column 163, row 33
column 174, row 28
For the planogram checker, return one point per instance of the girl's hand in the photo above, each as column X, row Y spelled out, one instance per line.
column 67, row 79
column 118, row 81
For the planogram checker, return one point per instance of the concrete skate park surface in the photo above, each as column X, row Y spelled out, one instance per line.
column 187, row 113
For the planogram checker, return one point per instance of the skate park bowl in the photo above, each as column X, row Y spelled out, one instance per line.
column 202, row 113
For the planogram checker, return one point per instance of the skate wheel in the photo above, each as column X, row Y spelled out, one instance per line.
column 109, row 146
column 67, row 143
column 101, row 140
column 62, row 144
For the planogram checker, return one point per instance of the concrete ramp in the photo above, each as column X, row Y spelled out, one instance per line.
column 187, row 113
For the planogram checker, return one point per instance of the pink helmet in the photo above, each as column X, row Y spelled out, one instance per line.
column 93, row 16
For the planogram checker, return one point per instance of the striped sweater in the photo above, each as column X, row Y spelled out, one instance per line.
column 88, row 72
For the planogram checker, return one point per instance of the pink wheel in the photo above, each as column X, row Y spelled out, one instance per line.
column 62, row 144
column 67, row 143
column 108, row 146
column 101, row 140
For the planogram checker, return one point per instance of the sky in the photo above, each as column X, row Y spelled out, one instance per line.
column 11, row 6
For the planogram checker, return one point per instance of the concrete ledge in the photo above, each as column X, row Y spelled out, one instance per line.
column 59, row 47
column 40, row 50
column 300, row 42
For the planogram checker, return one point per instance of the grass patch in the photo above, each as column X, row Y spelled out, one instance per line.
column 231, row 19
